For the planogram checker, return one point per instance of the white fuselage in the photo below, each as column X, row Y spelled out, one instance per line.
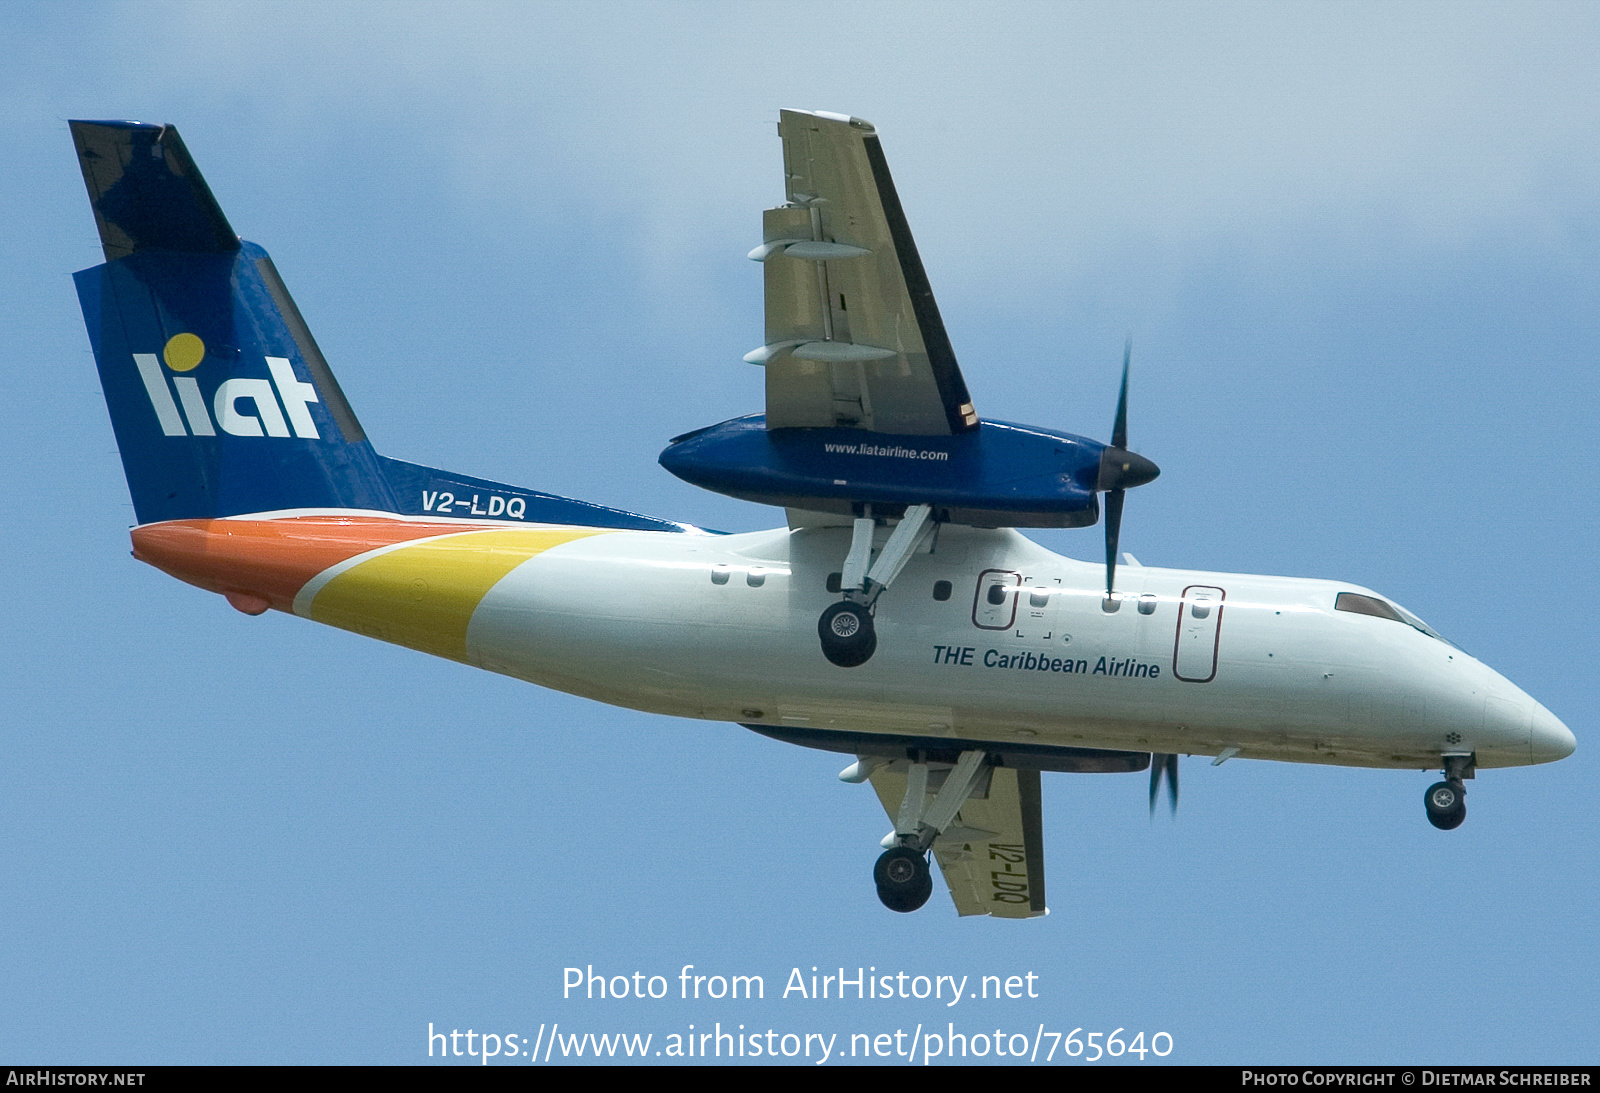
column 725, row 627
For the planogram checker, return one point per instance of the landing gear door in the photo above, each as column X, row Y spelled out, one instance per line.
column 1194, row 654
column 994, row 604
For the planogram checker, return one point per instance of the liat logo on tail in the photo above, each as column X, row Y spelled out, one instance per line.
column 184, row 353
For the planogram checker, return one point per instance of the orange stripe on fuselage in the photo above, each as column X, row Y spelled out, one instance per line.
column 271, row 559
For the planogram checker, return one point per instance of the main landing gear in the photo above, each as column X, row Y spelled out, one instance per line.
column 845, row 628
column 901, row 874
column 903, row 878
column 848, row 638
column 1446, row 801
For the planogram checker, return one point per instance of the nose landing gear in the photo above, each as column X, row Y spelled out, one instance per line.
column 1446, row 801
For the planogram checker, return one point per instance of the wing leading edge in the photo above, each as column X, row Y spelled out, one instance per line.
column 854, row 337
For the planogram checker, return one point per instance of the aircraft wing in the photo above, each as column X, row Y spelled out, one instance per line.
column 854, row 337
column 992, row 855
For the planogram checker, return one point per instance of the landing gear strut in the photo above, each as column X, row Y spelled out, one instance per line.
column 845, row 628
column 902, row 876
column 1446, row 801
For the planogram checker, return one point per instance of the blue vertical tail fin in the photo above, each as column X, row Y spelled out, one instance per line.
column 221, row 401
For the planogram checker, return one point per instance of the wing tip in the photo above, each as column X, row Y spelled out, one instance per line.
column 852, row 121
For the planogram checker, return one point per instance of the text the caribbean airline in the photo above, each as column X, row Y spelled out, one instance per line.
column 899, row 617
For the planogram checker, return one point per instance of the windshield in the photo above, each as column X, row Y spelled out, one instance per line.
column 1360, row 604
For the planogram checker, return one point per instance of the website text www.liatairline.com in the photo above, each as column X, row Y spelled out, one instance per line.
column 970, row 1039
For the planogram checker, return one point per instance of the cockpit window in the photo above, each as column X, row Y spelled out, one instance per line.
column 1383, row 609
column 1416, row 623
column 1365, row 605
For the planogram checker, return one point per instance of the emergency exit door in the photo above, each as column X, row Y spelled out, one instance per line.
column 1194, row 654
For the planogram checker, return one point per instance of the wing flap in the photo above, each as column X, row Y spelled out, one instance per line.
column 854, row 337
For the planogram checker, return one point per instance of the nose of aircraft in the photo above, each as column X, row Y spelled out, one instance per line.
column 1548, row 738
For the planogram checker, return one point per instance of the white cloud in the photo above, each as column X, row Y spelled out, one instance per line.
column 1093, row 122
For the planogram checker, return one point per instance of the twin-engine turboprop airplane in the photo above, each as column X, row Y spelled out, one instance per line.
column 958, row 659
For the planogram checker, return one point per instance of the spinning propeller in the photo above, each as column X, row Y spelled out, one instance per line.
column 1121, row 470
column 1164, row 765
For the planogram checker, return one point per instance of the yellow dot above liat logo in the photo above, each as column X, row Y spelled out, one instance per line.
column 183, row 352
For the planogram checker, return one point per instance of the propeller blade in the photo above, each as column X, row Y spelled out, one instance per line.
column 1119, row 429
column 1114, row 501
column 1164, row 766
column 1120, row 470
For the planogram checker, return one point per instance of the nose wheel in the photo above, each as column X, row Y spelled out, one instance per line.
column 1446, row 801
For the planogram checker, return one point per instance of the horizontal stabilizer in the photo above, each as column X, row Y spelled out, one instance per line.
column 146, row 191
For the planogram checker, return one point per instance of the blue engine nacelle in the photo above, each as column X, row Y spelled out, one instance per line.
column 997, row 475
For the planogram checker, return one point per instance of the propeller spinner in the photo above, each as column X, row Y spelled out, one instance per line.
column 1120, row 471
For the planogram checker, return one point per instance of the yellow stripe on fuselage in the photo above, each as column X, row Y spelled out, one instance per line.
column 422, row 595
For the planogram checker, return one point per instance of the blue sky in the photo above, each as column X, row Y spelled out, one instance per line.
column 1356, row 248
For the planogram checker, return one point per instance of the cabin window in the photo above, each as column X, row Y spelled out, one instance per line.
column 1200, row 610
column 756, row 577
column 835, row 581
column 719, row 574
column 941, row 590
column 1147, row 604
column 1039, row 599
column 997, row 594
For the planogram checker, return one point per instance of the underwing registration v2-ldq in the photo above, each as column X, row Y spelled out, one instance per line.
column 899, row 616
